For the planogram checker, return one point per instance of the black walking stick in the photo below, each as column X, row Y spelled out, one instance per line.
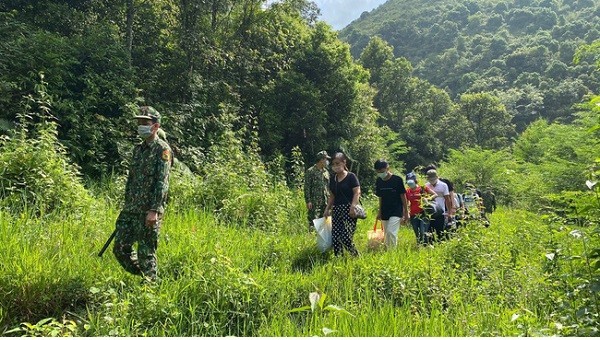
column 107, row 243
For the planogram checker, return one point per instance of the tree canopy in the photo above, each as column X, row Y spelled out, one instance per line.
column 522, row 51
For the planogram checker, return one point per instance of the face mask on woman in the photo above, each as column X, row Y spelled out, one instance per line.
column 144, row 131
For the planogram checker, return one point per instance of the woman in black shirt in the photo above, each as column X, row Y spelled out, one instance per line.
column 345, row 192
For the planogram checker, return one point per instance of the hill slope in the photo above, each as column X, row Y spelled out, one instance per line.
column 522, row 50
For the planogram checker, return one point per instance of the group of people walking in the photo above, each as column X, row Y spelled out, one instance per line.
column 431, row 209
column 336, row 195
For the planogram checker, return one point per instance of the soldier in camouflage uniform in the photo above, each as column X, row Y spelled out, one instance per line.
column 145, row 196
column 316, row 181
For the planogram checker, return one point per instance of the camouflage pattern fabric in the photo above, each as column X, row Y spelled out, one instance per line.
column 131, row 228
column 315, row 191
column 146, row 190
column 148, row 182
column 489, row 201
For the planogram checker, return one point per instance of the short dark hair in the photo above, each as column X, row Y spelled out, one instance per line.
column 380, row 164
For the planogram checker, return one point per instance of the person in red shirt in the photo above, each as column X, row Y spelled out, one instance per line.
column 418, row 220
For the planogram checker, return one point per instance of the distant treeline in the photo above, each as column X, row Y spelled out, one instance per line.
column 272, row 75
column 521, row 50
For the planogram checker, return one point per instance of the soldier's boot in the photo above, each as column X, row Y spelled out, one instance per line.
column 127, row 258
column 147, row 263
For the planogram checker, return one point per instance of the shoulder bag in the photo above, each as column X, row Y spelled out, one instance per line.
column 359, row 211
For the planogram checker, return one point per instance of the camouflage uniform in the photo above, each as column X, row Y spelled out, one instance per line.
column 146, row 190
column 315, row 191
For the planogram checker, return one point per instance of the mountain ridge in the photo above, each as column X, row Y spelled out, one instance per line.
column 520, row 50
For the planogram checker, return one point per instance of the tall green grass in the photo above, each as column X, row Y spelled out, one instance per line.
column 218, row 280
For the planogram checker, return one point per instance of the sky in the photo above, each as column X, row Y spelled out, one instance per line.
column 339, row 13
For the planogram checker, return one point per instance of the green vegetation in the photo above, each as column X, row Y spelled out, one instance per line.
column 249, row 94
column 511, row 279
column 522, row 51
column 212, row 68
column 250, row 269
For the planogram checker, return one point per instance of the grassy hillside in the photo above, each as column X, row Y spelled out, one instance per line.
column 521, row 50
column 223, row 280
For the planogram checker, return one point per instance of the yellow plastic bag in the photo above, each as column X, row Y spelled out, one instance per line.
column 375, row 237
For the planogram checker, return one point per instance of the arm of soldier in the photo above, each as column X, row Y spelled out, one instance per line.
column 161, row 186
column 129, row 175
column 308, row 189
column 330, row 200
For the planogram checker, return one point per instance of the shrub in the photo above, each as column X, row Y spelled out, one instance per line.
column 35, row 172
column 236, row 185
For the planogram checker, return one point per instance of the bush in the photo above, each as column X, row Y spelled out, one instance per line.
column 35, row 172
column 236, row 185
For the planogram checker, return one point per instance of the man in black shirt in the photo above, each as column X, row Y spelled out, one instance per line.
column 393, row 208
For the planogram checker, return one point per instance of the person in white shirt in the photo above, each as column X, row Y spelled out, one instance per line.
column 443, row 203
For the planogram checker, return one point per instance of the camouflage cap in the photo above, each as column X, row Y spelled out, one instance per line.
column 322, row 155
column 148, row 112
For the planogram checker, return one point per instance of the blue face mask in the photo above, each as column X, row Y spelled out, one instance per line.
column 144, row 131
column 382, row 175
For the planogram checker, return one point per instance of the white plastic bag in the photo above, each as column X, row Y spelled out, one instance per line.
column 323, row 228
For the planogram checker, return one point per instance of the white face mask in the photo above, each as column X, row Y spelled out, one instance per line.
column 337, row 168
column 326, row 163
column 382, row 175
column 144, row 131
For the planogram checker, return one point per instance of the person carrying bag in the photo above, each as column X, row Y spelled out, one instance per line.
column 343, row 185
column 393, row 208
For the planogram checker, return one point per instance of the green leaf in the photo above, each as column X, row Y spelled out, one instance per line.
column 300, row 309
column 322, row 300
column 44, row 321
column 14, row 330
column 338, row 309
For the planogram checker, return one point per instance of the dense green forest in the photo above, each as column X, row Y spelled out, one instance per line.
column 273, row 75
column 501, row 94
column 520, row 50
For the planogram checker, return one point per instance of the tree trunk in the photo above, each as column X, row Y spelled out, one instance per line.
column 129, row 29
